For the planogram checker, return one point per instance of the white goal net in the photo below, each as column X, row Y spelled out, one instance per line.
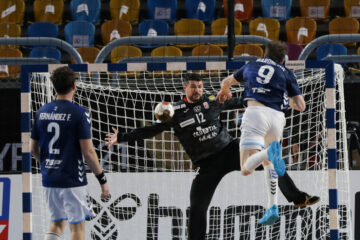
column 150, row 179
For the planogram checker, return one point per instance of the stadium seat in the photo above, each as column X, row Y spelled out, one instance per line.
column 265, row 27
column 48, row 11
column 207, row 50
column 12, row 11
column 127, row 10
column 344, row 25
column 352, row 8
column 10, row 30
column 243, row 9
column 115, row 29
column 329, row 50
column 248, row 50
column 88, row 54
column 85, row 10
column 122, row 52
column 278, row 9
column 43, row 29
column 162, row 9
column 294, row 51
column 46, row 52
column 220, row 27
column 201, row 9
column 80, row 33
column 152, row 28
column 10, row 71
column 166, row 51
column 301, row 30
column 317, row 9
column 186, row 27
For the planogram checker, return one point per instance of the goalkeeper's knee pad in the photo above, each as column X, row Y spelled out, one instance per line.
column 52, row 236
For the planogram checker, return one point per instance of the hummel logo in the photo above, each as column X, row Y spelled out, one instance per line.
column 87, row 114
column 81, row 179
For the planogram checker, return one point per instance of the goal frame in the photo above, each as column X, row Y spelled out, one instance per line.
column 27, row 70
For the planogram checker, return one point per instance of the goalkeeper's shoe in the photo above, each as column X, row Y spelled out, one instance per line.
column 306, row 201
column 271, row 216
column 274, row 155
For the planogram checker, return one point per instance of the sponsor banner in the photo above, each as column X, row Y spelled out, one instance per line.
column 155, row 206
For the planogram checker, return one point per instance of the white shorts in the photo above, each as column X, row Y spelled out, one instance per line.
column 71, row 204
column 259, row 122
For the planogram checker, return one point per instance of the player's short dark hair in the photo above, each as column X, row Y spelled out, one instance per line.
column 191, row 77
column 276, row 51
column 63, row 79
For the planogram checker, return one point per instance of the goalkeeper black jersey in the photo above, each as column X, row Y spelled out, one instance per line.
column 196, row 125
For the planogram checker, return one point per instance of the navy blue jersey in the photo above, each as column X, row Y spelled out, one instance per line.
column 268, row 83
column 58, row 126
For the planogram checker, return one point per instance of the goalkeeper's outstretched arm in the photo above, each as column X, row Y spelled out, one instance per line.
column 136, row 134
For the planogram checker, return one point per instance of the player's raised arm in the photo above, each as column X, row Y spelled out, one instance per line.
column 224, row 93
column 92, row 161
column 298, row 103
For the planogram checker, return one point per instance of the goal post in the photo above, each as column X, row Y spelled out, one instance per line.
column 150, row 179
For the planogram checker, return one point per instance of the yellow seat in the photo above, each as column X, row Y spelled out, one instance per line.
column 220, row 27
column 317, row 9
column 188, row 27
column 49, row 11
column 88, row 54
column 207, row 50
column 352, row 8
column 127, row 10
column 10, row 71
column 121, row 52
column 12, row 11
column 115, row 29
column 265, row 27
column 301, row 30
column 166, row 51
column 344, row 25
column 248, row 50
column 10, row 30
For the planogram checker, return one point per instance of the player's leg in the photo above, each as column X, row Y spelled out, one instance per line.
column 57, row 215
column 55, row 230
column 77, row 231
column 253, row 130
column 78, row 208
column 274, row 167
column 201, row 193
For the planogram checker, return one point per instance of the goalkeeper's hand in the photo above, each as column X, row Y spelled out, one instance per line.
column 113, row 138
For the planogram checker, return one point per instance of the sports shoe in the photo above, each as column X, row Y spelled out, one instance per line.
column 274, row 155
column 271, row 216
column 307, row 201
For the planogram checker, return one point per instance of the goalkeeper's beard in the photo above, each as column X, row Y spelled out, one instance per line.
column 195, row 97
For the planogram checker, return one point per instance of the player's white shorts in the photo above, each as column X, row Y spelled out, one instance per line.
column 259, row 122
column 71, row 204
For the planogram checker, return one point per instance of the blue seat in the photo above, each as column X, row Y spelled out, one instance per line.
column 85, row 10
column 330, row 49
column 203, row 10
column 278, row 9
column 43, row 29
column 162, row 9
column 80, row 33
column 46, row 52
column 152, row 27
